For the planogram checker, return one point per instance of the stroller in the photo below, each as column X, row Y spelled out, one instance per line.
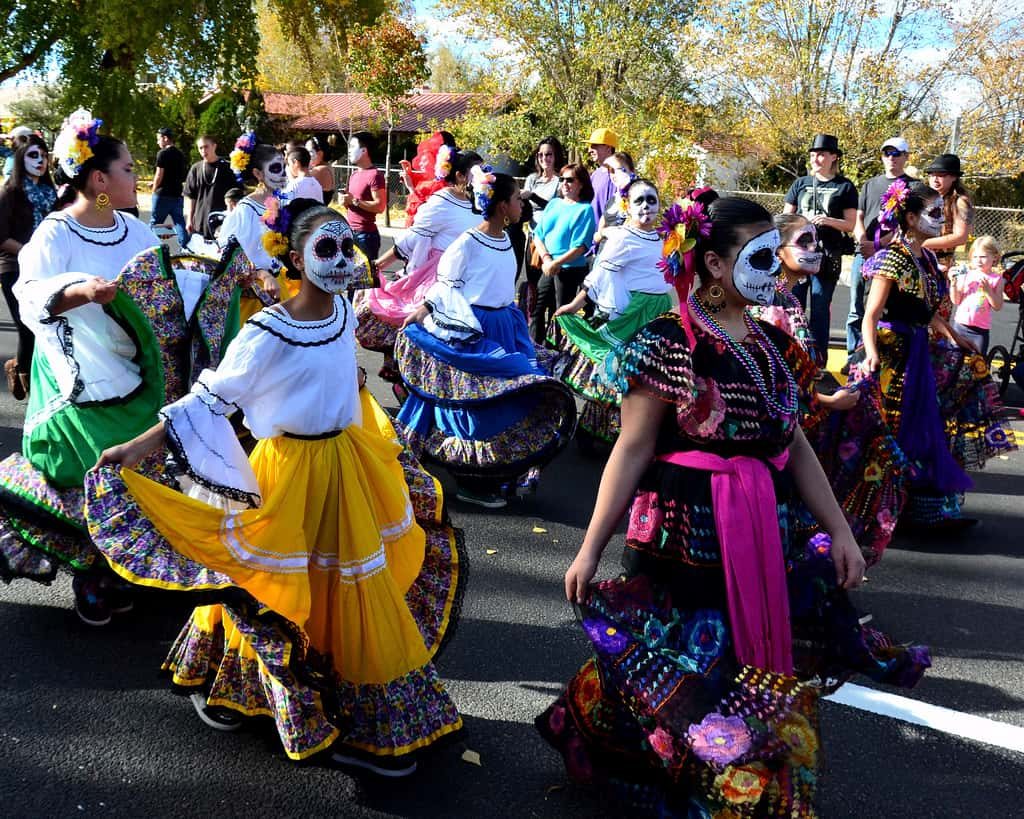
column 1004, row 363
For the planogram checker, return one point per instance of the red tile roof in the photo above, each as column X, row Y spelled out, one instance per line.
column 333, row 112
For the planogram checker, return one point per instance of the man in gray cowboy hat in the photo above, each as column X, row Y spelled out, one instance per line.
column 829, row 200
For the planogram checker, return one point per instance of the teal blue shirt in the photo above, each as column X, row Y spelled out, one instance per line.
column 565, row 225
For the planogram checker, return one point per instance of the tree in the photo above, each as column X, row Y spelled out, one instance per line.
column 388, row 61
column 624, row 56
column 781, row 70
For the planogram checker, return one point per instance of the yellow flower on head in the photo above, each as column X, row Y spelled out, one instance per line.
column 671, row 244
column 239, row 160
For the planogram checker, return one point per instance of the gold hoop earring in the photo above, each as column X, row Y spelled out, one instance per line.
column 507, row 221
column 714, row 299
column 102, row 201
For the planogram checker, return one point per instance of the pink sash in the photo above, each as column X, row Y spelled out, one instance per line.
column 395, row 301
column 755, row 570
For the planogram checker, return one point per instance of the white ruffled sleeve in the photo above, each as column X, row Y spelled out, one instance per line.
column 201, row 436
column 414, row 245
column 605, row 284
column 244, row 224
column 451, row 317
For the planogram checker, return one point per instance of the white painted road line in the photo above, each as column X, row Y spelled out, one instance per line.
column 946, row 720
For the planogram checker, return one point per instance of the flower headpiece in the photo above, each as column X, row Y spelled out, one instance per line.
column 242, row 154
column 443, row 162
column 78, row 136
column 482, row 179
column 277, row 218
column 892, row 203
column 682, row 225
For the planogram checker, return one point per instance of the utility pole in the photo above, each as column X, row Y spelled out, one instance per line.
column 954, row 140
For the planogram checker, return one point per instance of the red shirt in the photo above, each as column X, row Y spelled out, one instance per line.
column 359, row 186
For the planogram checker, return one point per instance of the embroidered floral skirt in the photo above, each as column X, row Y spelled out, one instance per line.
column 338, row 591
column 663, row 715
column 968, row 405
column 865, row 466
column 486, row 409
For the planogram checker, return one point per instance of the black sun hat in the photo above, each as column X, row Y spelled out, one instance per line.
column 945, row 163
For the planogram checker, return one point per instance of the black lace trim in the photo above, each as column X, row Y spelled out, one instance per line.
column 448, row 196
column 210, row 392
column 458, row 327
column 285, row 319
column 70, row 223
column 177, row 449
column 259, row 210
column 485, row 240
column 294, row 342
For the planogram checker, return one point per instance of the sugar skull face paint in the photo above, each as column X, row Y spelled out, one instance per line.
column 757, row 267
column 330, row 257
column 644, row 205
column 35, row 161
column 355, row 151
column 931, row 219
column 802, row 253
column 274, row 176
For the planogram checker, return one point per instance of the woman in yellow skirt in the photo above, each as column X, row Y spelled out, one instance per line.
column 338, row 575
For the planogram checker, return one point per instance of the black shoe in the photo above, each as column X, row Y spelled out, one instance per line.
column 220, row 719
column 90, row 603
column 392, row 767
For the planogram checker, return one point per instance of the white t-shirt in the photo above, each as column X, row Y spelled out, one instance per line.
column 304, row 187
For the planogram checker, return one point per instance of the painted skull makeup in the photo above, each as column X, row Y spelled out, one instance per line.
column 35, row 161
column 803, row 251
column 644, row 204
column 931, row 219
column 355, row 151
column 757, row 267
column 330, row 257
column 274, row 176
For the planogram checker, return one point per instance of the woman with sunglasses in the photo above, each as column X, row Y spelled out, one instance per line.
column 708, row 653
column 262, row 164
column 937, row 396
column 845, row 427
column 562, row 238
column 539, row 189
column 26, row 198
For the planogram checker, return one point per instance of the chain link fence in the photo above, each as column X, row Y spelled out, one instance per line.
column 1005, row 224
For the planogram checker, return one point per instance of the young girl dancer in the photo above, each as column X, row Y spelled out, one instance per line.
column 711, row 652
column 864, row 464
column 445, row 216
column 478, row 401
column 329, row 544
column 628, row 290
column 937, row 397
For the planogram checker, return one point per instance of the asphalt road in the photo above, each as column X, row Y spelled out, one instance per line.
column 87, row 728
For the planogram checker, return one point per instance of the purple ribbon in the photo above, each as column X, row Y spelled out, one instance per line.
column 922, row 435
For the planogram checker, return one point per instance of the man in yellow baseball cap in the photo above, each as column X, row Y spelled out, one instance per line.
column 603, row 143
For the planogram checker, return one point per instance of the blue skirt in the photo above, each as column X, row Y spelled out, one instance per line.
column 479, row 407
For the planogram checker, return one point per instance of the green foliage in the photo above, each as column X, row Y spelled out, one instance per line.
column 386, row 60
column 220, row 120
column 514, row 132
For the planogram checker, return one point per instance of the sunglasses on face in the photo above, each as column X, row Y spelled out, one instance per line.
column 890, row 152
column 568, row 180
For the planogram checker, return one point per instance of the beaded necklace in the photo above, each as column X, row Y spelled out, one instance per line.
column 782, row 409
column 930, row 287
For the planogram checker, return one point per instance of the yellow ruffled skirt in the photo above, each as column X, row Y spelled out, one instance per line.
column 352, row 595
